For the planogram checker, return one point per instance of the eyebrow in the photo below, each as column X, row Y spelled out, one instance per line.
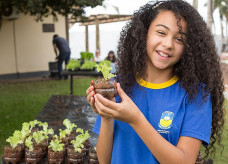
column 169, row 29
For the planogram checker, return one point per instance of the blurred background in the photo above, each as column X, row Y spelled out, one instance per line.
column 26, row 51
column 27, row 28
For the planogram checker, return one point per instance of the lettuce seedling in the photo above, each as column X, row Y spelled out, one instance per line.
column 62, row 133
column 69, row 126
column 79, row 140
column 39, row 136
column 16, row 139
column 47, row 131
column 33, row 124
column 56, row 145
column 86, row 135
column 77, row 144
column 29, row 143
column 105, row 69
column 25, row 131
column 80, row 130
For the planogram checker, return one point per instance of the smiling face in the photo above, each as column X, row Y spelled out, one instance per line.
column 164, row 43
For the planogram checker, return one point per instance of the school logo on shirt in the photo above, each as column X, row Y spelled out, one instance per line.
column 166, row 120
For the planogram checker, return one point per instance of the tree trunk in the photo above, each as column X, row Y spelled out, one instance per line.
column 97, row 34
column 222, row 33
column 87, row 38
column 195, row 4
column 226, row 16
column 209, row 13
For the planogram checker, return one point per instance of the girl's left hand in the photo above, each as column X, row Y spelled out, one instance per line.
column 125, row 111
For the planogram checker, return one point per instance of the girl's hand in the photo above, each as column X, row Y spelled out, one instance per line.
column 90, row 96
column 125, row 111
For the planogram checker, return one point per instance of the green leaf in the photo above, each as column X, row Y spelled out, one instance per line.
column 73, row 64
column 105, row 69
column 56, row 145
column 69, row 126
column 16, row 139
column 29, row 143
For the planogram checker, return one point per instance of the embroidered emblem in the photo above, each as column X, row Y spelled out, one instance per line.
column 166, row 120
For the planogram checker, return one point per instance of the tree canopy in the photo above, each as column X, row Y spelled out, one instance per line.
column 44, row 8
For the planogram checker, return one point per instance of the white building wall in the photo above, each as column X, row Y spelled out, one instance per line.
column 24, row 47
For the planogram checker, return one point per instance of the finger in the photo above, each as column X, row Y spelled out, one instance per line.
column 102, row 109
column 91, row 94
column 91, row 83
column 106, row 102
column 91, row 88
column 121, row 92
column 92, row 104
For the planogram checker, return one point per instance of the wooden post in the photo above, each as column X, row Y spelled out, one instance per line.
column 209, row 13
column 195, row 4
column 87, row 38
column 97, row 34
column 67, row 28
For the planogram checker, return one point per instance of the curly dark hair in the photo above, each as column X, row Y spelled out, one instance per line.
column 113, row 60
column 198, row 68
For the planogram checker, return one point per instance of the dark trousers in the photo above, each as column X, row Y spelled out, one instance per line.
column 63, row 57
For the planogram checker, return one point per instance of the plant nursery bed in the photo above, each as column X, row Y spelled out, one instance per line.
column 45, row 161
column 74, row 108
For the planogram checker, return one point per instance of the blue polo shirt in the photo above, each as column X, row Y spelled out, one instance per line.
column 167, row 107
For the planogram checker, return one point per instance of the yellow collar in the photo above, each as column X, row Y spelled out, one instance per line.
column 157, row 86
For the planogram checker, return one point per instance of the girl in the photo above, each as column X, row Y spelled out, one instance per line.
column 111, row 56
column 171, row 95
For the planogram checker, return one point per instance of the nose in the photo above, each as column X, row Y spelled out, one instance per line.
column 167, row 42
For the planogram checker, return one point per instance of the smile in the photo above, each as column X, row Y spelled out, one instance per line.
column 163, row 54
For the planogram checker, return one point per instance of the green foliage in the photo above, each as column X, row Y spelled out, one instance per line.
column 62, row 133
column 78, row 144
column 25, row 130
column 79, row 130
column 105, row 69
column 44, row 8
column 39, row 136
column 107, row 62
column 69, row 126
column 45, row 130
column 16, row 139
column 79, row 140
column 56, row 144
column 29, row 143
column 33, row 124
column 86, row 55
column 88, row 65
column 73, row 64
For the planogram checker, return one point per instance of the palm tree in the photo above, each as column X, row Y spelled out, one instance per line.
column 225, row 11
column 222, row 6
column 209, row 13
column 195, row 4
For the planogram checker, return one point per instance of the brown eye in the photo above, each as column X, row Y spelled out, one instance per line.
column 161, row 32
column 180, row 40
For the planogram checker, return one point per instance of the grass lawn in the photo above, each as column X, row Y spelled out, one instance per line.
column 23, row 101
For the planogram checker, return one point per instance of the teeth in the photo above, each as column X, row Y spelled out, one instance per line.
column 162, row 54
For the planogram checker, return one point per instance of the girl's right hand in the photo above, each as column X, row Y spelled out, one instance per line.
column 90, row 96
